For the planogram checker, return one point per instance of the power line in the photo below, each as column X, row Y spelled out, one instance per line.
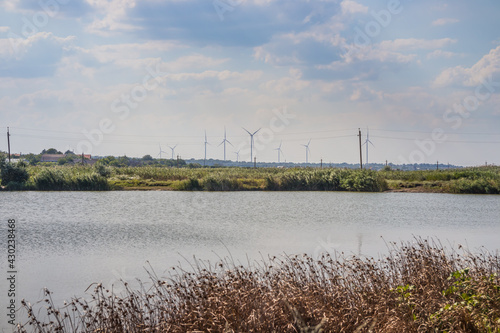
column 413, row 139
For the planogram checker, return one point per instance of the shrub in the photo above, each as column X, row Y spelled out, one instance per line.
column 13, row 173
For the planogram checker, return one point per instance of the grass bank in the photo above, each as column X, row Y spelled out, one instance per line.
column 418, row 287
column 478, row 180
column 481, row 180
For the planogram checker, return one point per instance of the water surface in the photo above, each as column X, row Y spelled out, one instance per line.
column 67, row 240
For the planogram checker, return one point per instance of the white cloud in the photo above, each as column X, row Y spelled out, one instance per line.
column 441, row 54
column 219, row 75
column 17, row 48
column 444, row 21
column 486, row 66
column 115, row 14
column 415, row 44
column 285, row 85
column 4, row 29
column 352, row 7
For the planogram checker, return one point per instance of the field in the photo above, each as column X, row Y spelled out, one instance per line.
column 418, row 287
column 479, row 180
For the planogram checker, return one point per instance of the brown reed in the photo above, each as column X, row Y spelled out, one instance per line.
column 419, row 286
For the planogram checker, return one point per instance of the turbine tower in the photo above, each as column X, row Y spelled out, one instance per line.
column 307, row 151
column 279, row 151
column 172, row 148
column 251, row 142
column 206, row 143
column 367, row 141
column 237, row 155
column 161, row 151
column 224, row 142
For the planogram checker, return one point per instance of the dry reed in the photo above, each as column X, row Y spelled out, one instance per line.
column 418, row 287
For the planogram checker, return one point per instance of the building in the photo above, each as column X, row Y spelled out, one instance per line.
column 51, row 157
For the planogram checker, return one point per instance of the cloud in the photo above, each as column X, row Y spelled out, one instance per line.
column 444, row 21
column 115, row 18
column 4, row 29
column 285, row 85
column 219, row 75
column 415, row 44
column 488, row 65
column 442, row 54
column 35, row 56
column 53, row 9
column 352, row 7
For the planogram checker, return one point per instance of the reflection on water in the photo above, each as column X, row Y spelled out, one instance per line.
column 69, row 239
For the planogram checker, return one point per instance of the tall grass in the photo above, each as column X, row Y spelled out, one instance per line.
column 469, row 180
column 417, row 287
column 477, row 180
column 68, row 179
column 327, row 180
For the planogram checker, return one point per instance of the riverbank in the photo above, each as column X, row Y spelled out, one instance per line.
column 479, row 180
column 418, row 286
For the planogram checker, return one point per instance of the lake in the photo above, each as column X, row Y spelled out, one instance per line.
column 68, row 240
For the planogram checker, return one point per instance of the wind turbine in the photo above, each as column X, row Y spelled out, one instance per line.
column 251, row 142
column 224, row 142
column 161, row 151
column 307, row 151
column 172, row 150
column 279, row 151
column 237, row 155
column 367, row 141
column 206, row 143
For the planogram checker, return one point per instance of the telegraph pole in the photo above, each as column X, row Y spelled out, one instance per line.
column 437, row 165
column 8, row 141
column 360, row 151
column 255, row 162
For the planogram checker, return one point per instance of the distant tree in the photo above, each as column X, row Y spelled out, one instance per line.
column 67, row 160
column 69, row 152
column 32, row 159
column 113, row 161
column 147, row 158
column 51, row 151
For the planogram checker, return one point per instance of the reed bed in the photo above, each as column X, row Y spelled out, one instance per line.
column 418, row 287
column 475, row 180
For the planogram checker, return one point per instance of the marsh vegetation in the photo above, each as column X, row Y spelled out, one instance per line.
column 418, row 286
column 478, row 180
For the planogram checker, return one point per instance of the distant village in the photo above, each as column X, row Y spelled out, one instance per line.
column 55, row 157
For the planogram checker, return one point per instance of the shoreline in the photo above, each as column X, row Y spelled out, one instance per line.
column 478, row 180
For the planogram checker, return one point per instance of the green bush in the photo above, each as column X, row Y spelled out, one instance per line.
column 13, row 173
column 57, row 180
column 191, row 184
column 220, row 184
column 327, row 180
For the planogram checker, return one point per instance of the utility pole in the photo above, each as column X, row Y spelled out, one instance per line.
column 8, row 141
column 255, row 162
column 385, row 162
column 360, row 151
column 321, row 165
column 82, row 159
column 437, row 165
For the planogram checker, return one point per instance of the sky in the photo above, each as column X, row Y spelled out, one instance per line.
column 129, row 77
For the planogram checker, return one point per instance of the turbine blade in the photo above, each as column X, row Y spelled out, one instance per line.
column 257, row 131
column 247, row 131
